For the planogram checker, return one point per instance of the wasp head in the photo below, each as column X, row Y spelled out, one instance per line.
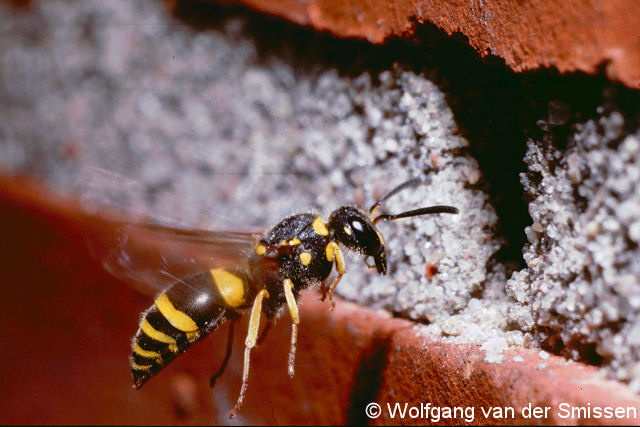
column 355, row 230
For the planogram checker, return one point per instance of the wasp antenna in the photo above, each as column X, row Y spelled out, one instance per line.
column 409, row 183
column 417, row 212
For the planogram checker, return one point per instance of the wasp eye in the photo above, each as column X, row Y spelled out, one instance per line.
column 357, row 225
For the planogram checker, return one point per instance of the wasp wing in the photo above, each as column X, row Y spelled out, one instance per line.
column 146, row 236
column 153, row 257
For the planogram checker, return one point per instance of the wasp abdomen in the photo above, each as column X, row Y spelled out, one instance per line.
column 182, row 315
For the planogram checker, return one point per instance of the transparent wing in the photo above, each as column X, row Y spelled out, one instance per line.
column 149, row 246
column 152, row 257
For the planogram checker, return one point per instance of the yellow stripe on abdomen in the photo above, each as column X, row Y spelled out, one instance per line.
column 230, row 286
column 155, row 334
column 145, row 353
column 137, row 367
column 178, row 319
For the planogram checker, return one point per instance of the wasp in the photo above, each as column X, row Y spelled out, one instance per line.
column 247, row 272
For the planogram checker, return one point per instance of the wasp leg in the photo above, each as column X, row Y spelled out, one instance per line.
column 334, row 254
column 227, row 356
column 264, row 332
column 295, row 320
column 249, row 343
column 323, row 289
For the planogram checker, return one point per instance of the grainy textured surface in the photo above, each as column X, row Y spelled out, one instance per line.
column 581, row 280
column 569, row 35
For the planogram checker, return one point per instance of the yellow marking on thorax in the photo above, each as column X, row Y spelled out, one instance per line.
column 380, row 237
column 155, row 334
column 178, row 319
column 319, row 227
column 260, row 250
column 173, row 348
column 305, row 258
column 291, row 242
column 347, row 230
column 145, row 353
column 137, row 367
column 230, row 286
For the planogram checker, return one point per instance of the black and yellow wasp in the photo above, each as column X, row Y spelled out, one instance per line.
column 223, row 274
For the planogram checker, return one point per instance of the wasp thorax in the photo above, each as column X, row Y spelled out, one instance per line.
column 355, row 230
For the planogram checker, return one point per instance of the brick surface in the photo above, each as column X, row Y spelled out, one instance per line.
column 570, row 35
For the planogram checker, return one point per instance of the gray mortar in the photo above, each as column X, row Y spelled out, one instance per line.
column 212, row 134
column 582, row 282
